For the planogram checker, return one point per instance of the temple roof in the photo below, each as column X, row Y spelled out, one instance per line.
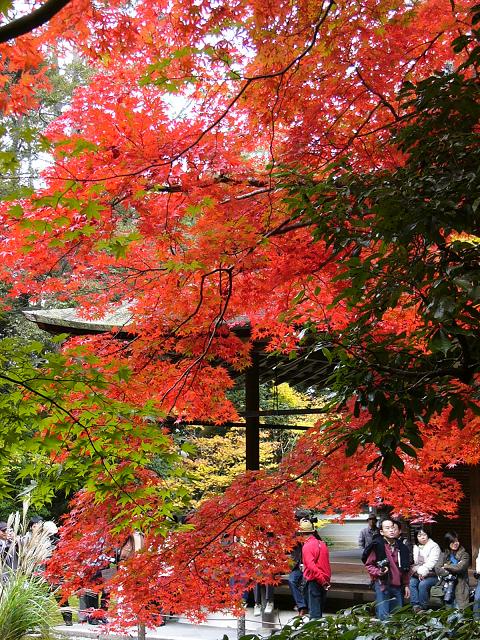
column 306, row 369
column 71, row 321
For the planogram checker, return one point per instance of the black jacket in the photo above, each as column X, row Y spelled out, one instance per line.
column 378, row 544
column 296, row 555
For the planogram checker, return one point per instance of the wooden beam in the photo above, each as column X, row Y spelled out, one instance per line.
column 281, row 412
column 252, row 406
column 475, row 510
column 274, row 425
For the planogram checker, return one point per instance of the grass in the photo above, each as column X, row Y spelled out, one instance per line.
column 27, row 605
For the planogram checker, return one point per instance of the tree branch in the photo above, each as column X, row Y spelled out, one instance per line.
column 228, row 108
column 379, row 95
column 31, row 21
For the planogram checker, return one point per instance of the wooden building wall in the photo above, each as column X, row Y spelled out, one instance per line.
column 467, row 524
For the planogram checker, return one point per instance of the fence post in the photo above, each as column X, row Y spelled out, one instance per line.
column 241, row 626
column 138, row 543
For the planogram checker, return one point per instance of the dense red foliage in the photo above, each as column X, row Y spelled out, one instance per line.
column 164, row 196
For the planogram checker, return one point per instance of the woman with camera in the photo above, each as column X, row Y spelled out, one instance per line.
column 452, row 567
column 426, row 553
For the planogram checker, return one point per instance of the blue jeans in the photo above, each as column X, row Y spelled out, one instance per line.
column 420, row 591
column 387, row 600
column 294, row 582
column 257, row 593
column 316, row 596
column 476, row 602
column 232, row 582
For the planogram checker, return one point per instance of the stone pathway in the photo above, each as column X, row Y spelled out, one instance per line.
column 216, row 627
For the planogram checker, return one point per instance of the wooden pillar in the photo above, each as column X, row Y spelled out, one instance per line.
column 475, row 510
column 252, row 403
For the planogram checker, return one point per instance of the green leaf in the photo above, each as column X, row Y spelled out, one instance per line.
column 16, row 211
column 9, row 162
column 93, row 210
column 124, row 373
column 299, row 297
column 410, row 451
column 5, row 6
column 440, row 342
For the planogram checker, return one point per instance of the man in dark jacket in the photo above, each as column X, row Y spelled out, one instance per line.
column 367, row 534
column 388, row 564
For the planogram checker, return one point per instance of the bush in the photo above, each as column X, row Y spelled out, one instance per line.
column 357, row 624
column 27, row 605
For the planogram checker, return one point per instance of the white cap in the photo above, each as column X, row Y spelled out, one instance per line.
column 50, row 527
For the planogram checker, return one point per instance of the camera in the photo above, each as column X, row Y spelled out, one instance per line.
column 305, row 514
column 381, row 564
column 449, row 584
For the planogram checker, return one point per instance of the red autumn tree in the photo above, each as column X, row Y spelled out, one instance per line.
column 258, row 160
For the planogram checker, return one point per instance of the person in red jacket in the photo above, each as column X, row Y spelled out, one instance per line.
column 316, row 570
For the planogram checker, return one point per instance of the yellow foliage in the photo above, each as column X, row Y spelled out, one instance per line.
column 219, row 459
